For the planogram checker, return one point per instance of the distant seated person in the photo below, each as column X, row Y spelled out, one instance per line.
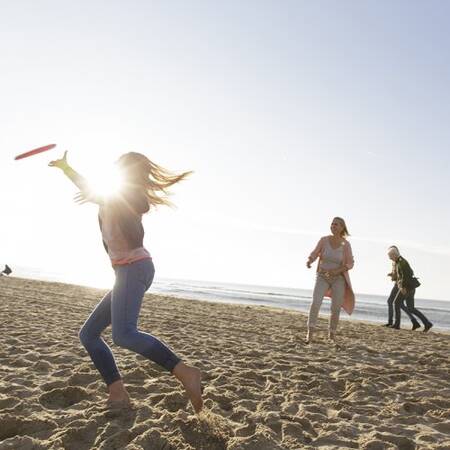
column 6, row 271
column 406, row 284
column 394, row 292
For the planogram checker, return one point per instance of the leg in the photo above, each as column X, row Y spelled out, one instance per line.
column 404, row 308
column 320, row 289
column 414, row 311
column 97, row 348
column 415, row 323
column 337, row 299
column 398, row 300
column 131, row 283
column 390, row 302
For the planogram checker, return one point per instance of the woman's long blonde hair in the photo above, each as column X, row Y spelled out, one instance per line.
column 139, row 172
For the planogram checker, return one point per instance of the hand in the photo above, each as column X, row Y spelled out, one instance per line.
column 60, row 163
column 308, row 264
column 403, row 291
column 85, row 197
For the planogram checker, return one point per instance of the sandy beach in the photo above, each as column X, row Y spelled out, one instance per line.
column 263, row 387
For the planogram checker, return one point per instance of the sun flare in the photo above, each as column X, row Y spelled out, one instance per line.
column 107, row 183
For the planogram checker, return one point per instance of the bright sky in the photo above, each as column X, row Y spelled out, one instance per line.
column 289, row 112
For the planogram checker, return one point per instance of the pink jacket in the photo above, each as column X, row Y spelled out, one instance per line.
column 349, row 296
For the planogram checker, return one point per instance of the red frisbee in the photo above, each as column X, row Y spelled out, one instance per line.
column 35, row 151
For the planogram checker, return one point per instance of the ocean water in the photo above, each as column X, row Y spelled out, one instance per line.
column 372, row 308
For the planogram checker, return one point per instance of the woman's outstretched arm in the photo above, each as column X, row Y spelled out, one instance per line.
column 78, row 180
column 85, row 194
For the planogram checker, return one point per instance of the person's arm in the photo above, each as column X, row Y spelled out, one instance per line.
column 393, row 275
column 314, row 254
column 78, row 180
column 85, row 194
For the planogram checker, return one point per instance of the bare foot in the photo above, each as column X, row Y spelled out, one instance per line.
column 117, row 393
column 191, row 379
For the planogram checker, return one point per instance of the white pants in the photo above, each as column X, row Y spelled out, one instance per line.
column 337, row 286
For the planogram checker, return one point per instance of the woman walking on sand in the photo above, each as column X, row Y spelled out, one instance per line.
column 332, row 280
column 120, row 217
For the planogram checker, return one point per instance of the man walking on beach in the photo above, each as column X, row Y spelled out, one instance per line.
column 406, row 284
column 394, row 292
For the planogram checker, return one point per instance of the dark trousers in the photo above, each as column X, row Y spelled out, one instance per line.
column 407, row 298
column 390, row 303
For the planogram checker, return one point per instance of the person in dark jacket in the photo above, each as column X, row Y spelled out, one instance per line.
column 6, row 271
column 393, row 295
column 143, row 186
column 406, row 285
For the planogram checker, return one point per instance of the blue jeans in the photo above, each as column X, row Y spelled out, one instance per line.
column 120, row 308
column 409, row 299
column 390, row 303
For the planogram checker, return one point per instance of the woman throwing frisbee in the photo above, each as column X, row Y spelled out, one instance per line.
column 144, row 185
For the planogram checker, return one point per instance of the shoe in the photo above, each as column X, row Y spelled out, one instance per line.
column 387, row 325
column 396, row 327
column 415, row 326
column 427, row 327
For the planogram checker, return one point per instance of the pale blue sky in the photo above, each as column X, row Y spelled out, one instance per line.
column 289, row 112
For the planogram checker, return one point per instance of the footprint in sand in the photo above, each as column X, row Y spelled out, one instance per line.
column 262, row 439
column 205, row 433
column 22, row 443
column 82, row 379
column 81, row 436
column 11, row 426
column 414, row 408
column 42, row 366
column 443, row 427
column 173, row 402
column 154, row 439
column 376, row 440
column 224, row 402
column 52, row 385
column 8, row 402
column 64, row 397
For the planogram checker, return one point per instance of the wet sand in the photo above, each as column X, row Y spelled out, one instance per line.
column 263, row 387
